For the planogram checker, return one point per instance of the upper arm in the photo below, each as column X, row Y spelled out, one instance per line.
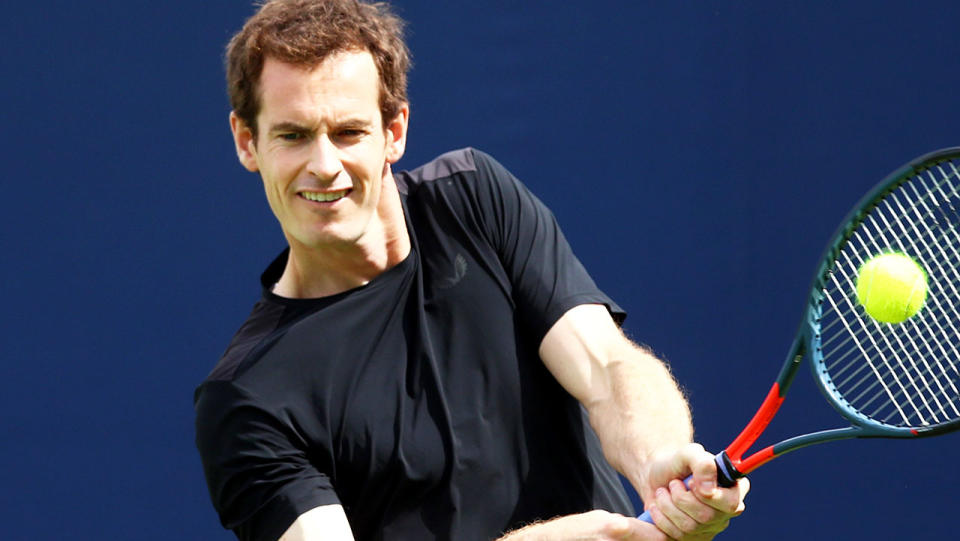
column 544, row 274
column 257, row 469
column 580, row 348
column 327, row 522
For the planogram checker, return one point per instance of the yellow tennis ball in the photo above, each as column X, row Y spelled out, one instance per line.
column 891, row 287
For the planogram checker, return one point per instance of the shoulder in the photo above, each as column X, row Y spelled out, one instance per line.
column 468, row 182
column 447, row 165
column 264, row 319
column 456, row 166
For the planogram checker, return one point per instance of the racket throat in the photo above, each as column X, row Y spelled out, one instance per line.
column 731, row 460
column 758, row 424
column 729, row 470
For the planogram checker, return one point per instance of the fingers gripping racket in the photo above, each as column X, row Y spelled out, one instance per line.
column 889, row 380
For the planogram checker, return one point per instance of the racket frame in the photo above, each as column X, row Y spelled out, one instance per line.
column 731, row 464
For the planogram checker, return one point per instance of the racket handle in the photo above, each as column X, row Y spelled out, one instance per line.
column 727, row 476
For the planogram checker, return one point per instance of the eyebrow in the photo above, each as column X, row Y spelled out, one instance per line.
column 288, row 126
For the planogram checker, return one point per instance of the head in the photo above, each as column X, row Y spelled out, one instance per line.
column 319, row 98
column 304, row 33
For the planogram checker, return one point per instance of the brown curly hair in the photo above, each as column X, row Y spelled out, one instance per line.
column 306, row 32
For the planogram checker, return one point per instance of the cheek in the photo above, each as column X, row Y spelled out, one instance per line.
column 270, row 183
column 274, row 184
column 277, row 174
column 366, row 172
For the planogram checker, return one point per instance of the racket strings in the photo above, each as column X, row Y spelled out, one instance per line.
column 846, row 380
column 946, row 298
column 952, row 259
column 909, row 391
column 915, row 249
column 922, row 242
column 902, row 374
column 874, row 369
column 923, row 246
column 929, row 212
column 913, row 388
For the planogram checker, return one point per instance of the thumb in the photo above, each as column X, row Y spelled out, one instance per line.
column 703, row 468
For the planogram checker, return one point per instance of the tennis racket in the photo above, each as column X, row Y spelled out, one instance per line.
column 888, row 380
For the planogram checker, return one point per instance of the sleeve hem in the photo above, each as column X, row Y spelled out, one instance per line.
column 274, row 518
column 557, row 310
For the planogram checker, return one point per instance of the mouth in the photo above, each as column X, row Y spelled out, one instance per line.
column 325, row 197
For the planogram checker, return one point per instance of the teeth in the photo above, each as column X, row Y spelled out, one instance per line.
column 324, row 197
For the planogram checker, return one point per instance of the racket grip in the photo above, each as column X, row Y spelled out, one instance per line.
column 727, row 476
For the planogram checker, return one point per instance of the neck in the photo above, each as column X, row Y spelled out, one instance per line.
column 313, row 272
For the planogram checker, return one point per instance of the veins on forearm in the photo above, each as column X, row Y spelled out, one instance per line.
column 642, row 411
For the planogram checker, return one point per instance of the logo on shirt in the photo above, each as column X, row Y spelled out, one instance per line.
column 459, row 271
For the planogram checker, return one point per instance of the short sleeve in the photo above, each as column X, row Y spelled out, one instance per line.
column 547, row 277
column 257, row 471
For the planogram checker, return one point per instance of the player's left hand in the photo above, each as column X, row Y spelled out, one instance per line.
column 695, row 514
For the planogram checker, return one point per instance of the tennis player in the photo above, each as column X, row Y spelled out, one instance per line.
column 428, row 359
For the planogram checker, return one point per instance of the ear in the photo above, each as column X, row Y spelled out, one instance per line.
column 243, row 139
column 396, row 132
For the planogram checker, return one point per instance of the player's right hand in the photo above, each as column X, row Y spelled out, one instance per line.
column 697, row 514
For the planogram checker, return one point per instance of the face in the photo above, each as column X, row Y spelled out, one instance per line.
column 322, row 149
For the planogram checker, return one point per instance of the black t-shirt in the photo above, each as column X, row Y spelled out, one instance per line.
column 418, row 401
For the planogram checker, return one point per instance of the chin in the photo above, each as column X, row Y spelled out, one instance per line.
column 330, row 239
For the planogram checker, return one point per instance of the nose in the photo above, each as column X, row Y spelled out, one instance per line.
column 324, row 163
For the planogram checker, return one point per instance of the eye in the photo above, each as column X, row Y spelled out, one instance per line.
column 351, row 133
column 291, row 136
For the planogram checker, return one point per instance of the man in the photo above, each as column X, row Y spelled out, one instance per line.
column 429, row 360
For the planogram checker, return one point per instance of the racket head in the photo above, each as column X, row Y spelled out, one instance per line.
column 893, row 380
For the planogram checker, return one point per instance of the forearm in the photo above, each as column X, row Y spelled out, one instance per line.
column 642, row 421
column 635, row 406
column 596, row 525
column 637, row 410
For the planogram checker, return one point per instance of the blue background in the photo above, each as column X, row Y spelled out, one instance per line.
column 698, row 155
